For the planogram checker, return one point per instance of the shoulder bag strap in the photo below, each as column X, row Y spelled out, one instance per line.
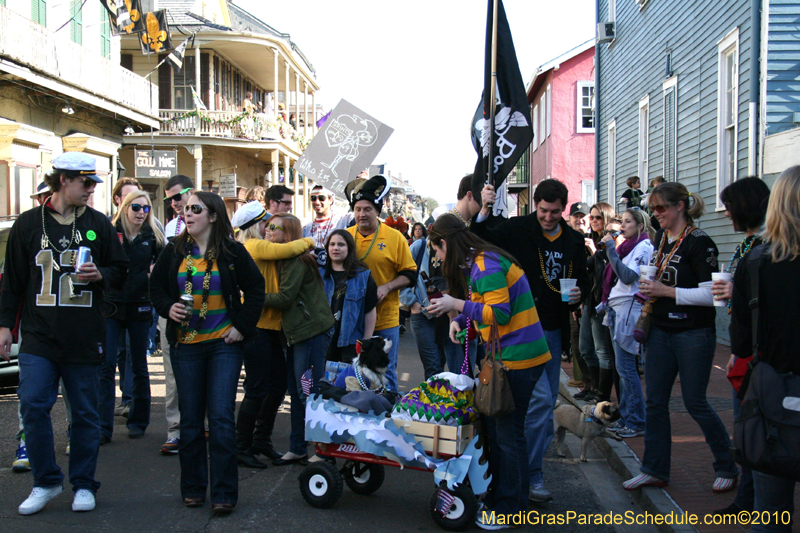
column 754, row 261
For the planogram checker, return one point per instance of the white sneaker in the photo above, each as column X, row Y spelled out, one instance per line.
column 39, row 498
column 83, row 500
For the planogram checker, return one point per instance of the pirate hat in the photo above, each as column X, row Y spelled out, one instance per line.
column 373, row 190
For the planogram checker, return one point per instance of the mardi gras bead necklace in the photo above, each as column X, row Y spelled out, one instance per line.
column 190, row 270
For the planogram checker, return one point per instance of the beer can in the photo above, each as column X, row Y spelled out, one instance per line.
column 188, row 302
column 84, row 256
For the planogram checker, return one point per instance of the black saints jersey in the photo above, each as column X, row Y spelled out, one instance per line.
column 62, row 317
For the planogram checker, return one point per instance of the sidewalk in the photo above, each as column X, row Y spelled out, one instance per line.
column 691, row 473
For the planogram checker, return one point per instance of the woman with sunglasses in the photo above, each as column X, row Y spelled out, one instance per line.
column 227, row 290
column 264, row 360
column 307, row 324
column 129, row 309
column 593, row 342
column 682, row 338
column 626, row 259
column 352, row 295
column 495, row 289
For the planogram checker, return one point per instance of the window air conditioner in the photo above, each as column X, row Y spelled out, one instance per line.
column 605, row 32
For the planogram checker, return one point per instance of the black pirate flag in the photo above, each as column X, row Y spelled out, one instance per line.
column 156, row 38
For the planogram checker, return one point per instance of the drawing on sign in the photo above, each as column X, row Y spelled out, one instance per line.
column 348, row 133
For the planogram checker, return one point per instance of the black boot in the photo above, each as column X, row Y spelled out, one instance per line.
column 246, row 423
column 262, row 438
column 605, row 384
column 590, row 377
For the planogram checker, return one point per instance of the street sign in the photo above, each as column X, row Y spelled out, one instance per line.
column 346, row 144
column 155, row 163
column 227, row 186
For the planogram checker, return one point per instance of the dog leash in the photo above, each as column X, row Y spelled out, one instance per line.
column 589, row 417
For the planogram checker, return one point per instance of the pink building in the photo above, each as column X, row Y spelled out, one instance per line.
column 561, row 97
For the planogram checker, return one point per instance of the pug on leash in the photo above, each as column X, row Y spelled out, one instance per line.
column 587, row 423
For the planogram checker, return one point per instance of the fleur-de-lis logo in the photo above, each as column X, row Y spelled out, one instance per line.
column 134, row 15
column 154, row 37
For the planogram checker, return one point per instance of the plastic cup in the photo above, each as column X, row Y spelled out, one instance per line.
column 647, row 273
column 567, row 284
column 724, row 276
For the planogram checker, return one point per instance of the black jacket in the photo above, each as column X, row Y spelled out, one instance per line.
column 142, row 252
column 522, row 237
column 237, row 272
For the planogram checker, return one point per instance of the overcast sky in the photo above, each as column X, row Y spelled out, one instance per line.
column 417, row 66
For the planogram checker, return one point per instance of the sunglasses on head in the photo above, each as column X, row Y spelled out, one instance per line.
column 138, row 207
column 314, row 198
column 272, row 227
column 177, row 197
column 659, row 208
column 195, row 209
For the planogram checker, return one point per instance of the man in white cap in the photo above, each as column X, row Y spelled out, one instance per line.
column 385, row 251
column 43, row 276
column 325, row 220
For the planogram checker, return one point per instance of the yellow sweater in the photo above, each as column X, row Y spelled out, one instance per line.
column 265, row 254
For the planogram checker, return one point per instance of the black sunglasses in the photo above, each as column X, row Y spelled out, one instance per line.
column 285, row 202
column 195, row 209
column 314, row 198
column 177, row 197
column 87, row 182
column 138, row 207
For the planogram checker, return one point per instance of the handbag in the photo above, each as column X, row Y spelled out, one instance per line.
column 739, row 371
column 493, row 394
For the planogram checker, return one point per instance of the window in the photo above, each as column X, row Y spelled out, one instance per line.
column 536, row 140
column 587, row 192
column 182, row 86
column 549, row 102
column 644, row 137
column 105, row 34
column 585, row 111
column 76, row 22
column 543, row 119
column 39, row 12
column 727, row 111
column 612, row 163
column 670, row 129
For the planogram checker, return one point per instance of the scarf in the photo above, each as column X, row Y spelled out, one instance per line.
column 608, row 273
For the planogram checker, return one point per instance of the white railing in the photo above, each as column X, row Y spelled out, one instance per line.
column 229, row 125
column 34, row 46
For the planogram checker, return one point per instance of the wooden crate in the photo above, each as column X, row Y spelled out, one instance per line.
column 436, row 439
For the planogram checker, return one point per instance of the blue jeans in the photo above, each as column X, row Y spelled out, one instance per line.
column 431, row 354
column 38, row 390
column 688, row 354
column 631, row 403
column 139, row 416
column 586, row 340
column 775, row 495
column 151, row 340
column 207, row 376
column 393, row 334
column 124, row 367
column 599, row 336
column 539, row 422
column 309, row 353
column 508, row 446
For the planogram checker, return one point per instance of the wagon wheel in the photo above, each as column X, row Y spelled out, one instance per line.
column 321, row 484
column 463, row 512
column 363, row 478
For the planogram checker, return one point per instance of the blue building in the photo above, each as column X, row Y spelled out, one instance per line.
column 702, row 92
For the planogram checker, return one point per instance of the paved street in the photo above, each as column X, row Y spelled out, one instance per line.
column 140, row 489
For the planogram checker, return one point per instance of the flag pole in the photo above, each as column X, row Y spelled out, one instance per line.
column 492, row 95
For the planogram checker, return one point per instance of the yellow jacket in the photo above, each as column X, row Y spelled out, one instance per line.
column 265, row 254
